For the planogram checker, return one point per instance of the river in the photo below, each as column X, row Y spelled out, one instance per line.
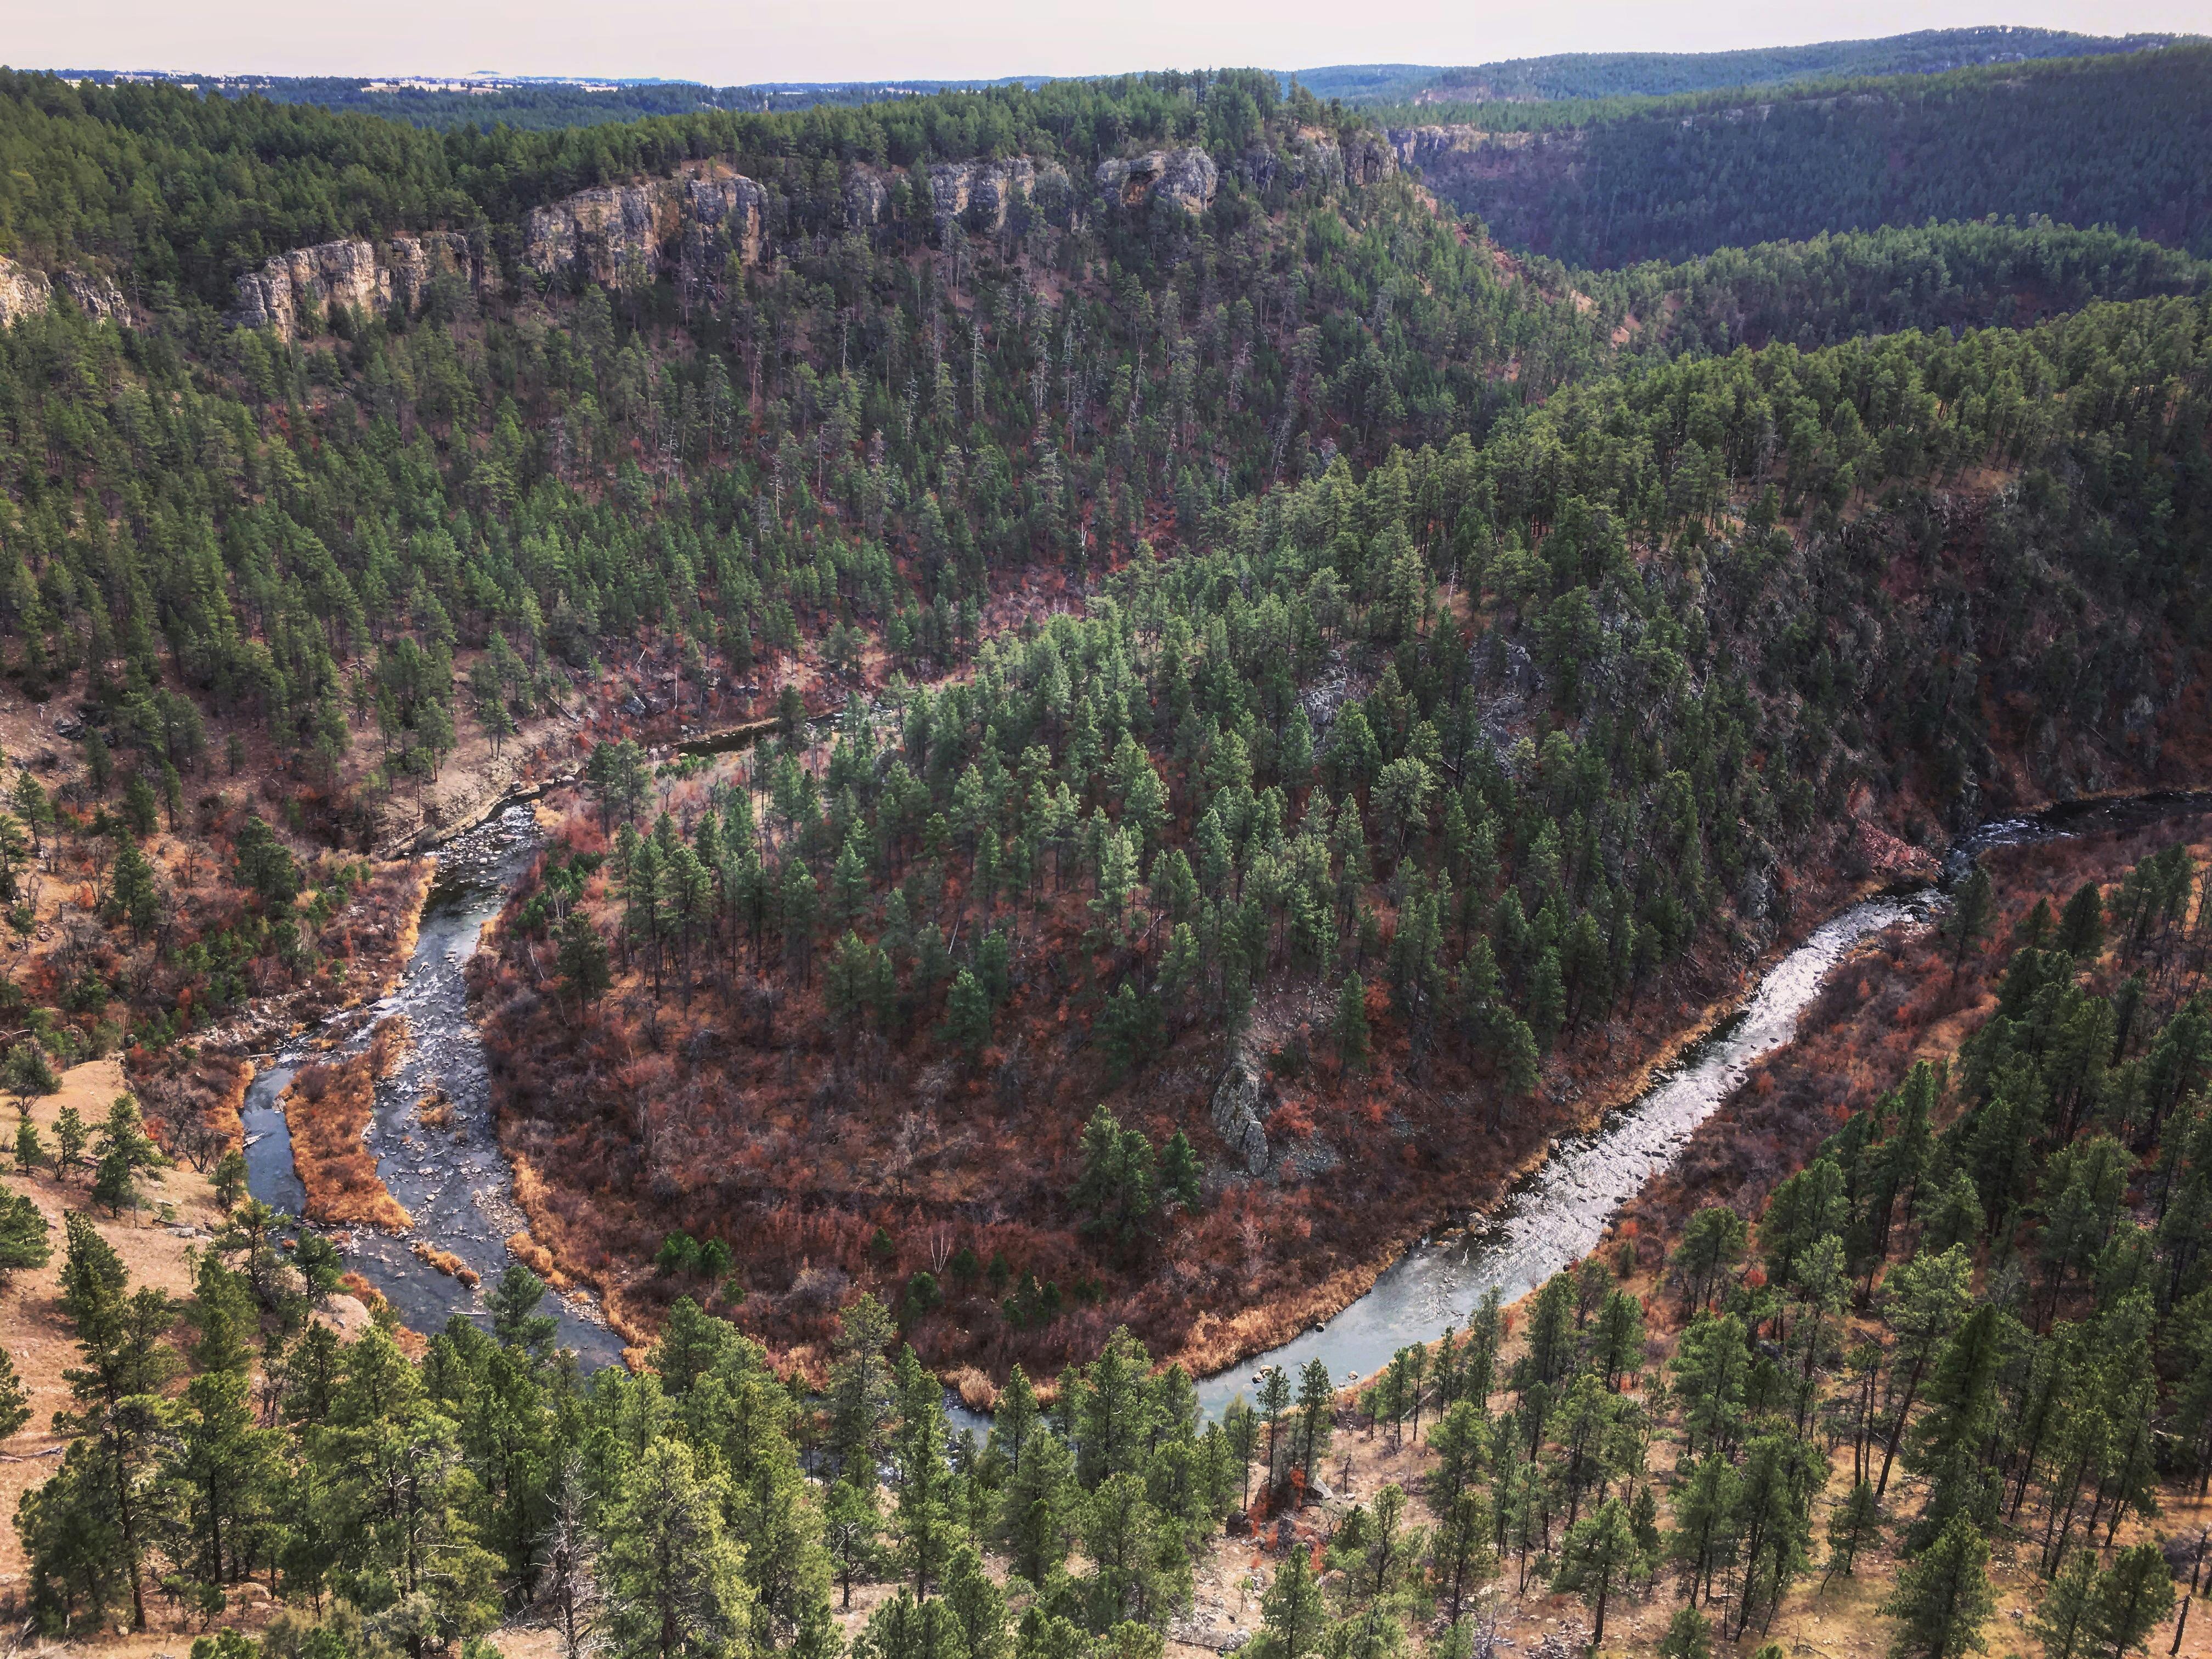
column 457, row 1185
column 454, row 1182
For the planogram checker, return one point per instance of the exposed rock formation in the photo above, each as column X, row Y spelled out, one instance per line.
column 1185, row 177
column 719, row 216
column 866, row 197
column 311, row 280
column 1427, row 146
column 618, row 235
column 308, row 282
column 1368, row 159
column 611, row 234
column 416, row 261
column 1307, row 162
column 1236, row 1112
column 25, row 292
column 984, row 192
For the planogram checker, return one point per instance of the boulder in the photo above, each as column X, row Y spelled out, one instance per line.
column 1235, row 1113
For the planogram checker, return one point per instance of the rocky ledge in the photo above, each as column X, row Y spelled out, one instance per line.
column 25, row 292
column 295, row 290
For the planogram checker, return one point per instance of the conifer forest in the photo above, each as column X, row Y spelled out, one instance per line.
column 769, row 855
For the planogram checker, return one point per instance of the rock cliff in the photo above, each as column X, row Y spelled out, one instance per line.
column 982, row 193
column 25, row 292
column 611, row 234
column 1185, row 177
column 307, row 283
column 619, row 234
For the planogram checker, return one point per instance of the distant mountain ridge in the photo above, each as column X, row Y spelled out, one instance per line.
column 534, row 102
column 1656, row 74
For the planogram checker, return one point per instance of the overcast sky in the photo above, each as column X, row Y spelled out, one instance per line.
column 884, row 39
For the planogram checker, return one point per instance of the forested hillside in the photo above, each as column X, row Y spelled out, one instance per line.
column 1598, row 75
column 2120, row 141
column 1245, row 706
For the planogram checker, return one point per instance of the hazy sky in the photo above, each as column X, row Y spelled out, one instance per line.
column 880, row 39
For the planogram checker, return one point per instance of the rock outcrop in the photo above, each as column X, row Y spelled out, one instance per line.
column 416, row 261
column 1368, row 159
column 619, row 234
column 25, row 292
column 611, row 234
column 983, row 193
column 719, row 216
column 1236, row 1112
column 1183, row 178
column 307, row 283
column 867, row 199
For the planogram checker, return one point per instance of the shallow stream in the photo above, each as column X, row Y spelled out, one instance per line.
column 456, row 1184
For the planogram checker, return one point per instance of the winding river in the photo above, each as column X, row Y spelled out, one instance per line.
column 456, row 1183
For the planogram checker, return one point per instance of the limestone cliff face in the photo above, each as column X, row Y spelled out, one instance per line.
column 1426, row 147
column 416, row 260
column 1368, row 159
column 611, row 234
column 618, row 235
column 983, row 193
column 309, row 282
column 719, row 216
column 1184, row 178
column 866, row 197
column 25, row 292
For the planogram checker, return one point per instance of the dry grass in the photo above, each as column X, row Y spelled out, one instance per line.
column 328, row 1106
column 976, row 1391
column 435, row 1110
column 535, row 1257
column 36, row 1333
column 447, row 1263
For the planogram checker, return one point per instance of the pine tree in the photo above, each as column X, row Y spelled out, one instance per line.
column 670, row 1575
column 23, row 1229
column 860, row 1391
column 852, row 1531
column 14, row 1398
column 1292, row 1618
column 1350, row 1025
column 1942, row 1597
column 70, row 1138
column 1598, row 1556
column 515, row 1321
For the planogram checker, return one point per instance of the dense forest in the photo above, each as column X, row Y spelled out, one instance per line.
column 1592, row 75
column 529, row 106
column 1248, row 706
column 1980, row 1309
column 2119, row 141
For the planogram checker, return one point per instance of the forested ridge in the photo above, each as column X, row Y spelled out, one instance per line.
column 1601, row 74
column 2119, row 141
column 1270, row 711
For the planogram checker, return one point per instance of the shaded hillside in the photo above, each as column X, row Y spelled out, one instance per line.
column 2126, row 141
column 1598, row 75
